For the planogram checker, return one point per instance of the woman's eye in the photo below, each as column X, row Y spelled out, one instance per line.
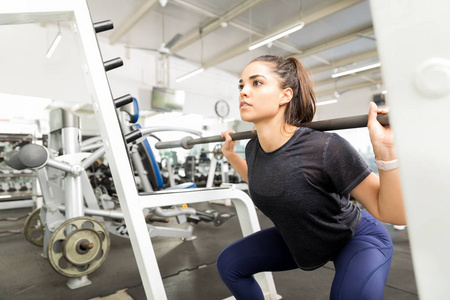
column 240, row 87
column 256, row 83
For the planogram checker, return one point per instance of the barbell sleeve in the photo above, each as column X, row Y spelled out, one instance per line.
column 325, row 125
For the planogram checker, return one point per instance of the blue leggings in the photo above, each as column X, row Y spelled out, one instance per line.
column 362, row 266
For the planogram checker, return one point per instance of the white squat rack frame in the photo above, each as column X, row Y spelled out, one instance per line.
column 76, row 13
column 414, row 50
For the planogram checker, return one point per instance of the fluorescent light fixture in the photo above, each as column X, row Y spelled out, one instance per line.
column 326, row 102
column 54, row 45
column 368, row 67
column 277, row 35
column 190, row 74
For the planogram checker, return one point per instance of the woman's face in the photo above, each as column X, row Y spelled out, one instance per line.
column 260, row 95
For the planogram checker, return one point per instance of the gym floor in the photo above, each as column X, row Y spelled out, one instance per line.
column 188, row 267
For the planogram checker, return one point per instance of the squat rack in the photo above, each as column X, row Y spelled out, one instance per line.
column 76, row 12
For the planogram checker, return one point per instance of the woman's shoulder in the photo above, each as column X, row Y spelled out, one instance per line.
column 314, row 136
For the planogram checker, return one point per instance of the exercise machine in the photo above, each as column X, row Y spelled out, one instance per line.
column 59, row 225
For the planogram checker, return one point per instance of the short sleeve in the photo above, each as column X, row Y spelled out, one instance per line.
column 343, row 165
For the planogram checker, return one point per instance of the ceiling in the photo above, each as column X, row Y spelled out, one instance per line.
column 337, row 35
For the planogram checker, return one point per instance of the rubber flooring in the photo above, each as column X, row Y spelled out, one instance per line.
column 188, row 268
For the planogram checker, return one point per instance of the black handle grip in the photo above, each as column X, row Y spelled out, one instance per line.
column 103, row 26
column 124, row 100
column 132, row 136
column 112, row 64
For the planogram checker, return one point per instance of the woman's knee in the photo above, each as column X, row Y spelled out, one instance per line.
column 226, row 264
column 222, row 261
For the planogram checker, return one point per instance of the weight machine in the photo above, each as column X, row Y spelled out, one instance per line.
column 416, row 69
column 72, row 250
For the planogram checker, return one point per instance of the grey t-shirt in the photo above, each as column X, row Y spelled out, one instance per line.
column 303, row 187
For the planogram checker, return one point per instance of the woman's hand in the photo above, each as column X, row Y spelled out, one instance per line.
column 382, row 195
column 228, row 146
column 236, row 161
column 381, row 137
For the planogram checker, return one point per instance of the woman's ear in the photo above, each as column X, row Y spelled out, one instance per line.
column 286, row 96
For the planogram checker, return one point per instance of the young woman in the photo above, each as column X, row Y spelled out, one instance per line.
column 302, row 180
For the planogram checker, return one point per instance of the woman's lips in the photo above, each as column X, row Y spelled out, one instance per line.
column 244, row 105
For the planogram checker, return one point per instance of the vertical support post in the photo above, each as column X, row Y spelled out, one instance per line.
column 412, row 38
column 71, row 138
column 116, row 150
column 72, row 183
column 212, row 172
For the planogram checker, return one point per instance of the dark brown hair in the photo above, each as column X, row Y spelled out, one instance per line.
column 291, row 74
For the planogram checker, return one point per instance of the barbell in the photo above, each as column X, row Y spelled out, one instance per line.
column 325, row 125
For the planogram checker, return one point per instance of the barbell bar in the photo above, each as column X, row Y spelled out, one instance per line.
column 325, row 125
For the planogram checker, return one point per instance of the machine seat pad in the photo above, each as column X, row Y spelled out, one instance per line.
column 33, row 155
column 12, row 159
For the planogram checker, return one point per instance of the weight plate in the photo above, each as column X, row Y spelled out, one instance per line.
column 33, row 228
column 78, row 247
column 218, row 152
column 82, row 246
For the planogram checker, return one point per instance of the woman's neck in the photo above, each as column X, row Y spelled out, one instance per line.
column 273, row 136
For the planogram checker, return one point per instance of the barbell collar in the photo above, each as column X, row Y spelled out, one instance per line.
column 185, row 142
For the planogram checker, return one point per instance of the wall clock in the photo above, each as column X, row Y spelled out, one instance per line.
column 222, row 108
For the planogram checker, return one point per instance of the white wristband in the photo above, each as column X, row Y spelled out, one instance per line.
column 386, row 165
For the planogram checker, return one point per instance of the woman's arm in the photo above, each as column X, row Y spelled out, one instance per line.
column 238, row 163
column 382, row 196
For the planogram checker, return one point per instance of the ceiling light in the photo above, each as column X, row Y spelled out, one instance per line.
column 190, row 74
column 326, row 102
column 368, row 67
column 277, row 35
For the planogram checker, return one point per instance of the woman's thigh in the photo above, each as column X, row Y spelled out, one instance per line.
column 261, row 251
column 362, row 266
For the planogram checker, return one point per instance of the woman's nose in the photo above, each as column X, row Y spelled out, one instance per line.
column 244, row 91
